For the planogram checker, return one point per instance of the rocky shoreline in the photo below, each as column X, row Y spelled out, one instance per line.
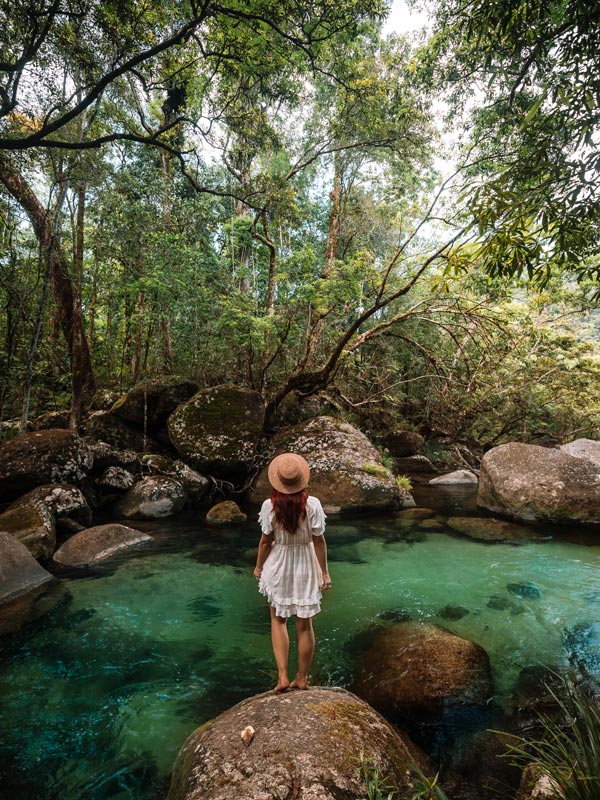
column 165, row 446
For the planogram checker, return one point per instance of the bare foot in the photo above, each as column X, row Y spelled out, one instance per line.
column 282, row 685
column 299, row 683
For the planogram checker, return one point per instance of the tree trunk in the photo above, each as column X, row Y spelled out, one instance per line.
column 69, row 315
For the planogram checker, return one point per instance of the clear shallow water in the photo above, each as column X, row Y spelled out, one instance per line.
column 97, row 697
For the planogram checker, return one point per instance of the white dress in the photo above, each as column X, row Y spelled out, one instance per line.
column 291, row 577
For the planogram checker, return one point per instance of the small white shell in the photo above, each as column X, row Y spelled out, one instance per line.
column 247, row 734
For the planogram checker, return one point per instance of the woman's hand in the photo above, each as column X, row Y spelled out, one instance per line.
column 325, row 581
column 257, row 572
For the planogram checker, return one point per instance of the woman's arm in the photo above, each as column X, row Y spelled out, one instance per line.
column 321, row 551
column 264, row 548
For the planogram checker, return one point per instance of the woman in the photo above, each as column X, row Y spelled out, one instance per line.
column 292, row 563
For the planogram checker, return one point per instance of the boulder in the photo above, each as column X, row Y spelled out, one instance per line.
column 61, row 500
column 97, row 544
column 218, row 431
column 400, row 443
column 30, row 460
column 22, row 580
column 196, row 485
column 107, row 427
column 66, row 527
column 491, row 530
column 104, row 455
column 412, row 465
column 52, row 419
column 538, row 785
column 29, row 521
column 156, row 463
column 104, row 399
column 346, row 469
column 583, row 448
column 529, row 482
column 20, row 573
column 154, row 400
column 152, row 498
column 460, row 476
column 224, row 513
column 414, row 670
column 306, row 745
column 116, row 479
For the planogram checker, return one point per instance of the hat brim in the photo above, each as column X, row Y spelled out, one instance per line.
column 289, row 488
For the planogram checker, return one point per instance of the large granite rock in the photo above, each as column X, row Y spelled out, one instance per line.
column 197, row 486
column 61, row 500
column 583, row 448
column 218, row 431
column 414, row 670
column 23, row 585
column 29, row 521
column 459, row 476
column 115, row 479
column 97, row 544
column 30, row 460
column 529, row 482
column 306, row 746
column 20, row 573
column 104, row 455
column 154, row 400
column 153, row 497
column 109, row 428
column 346, row 469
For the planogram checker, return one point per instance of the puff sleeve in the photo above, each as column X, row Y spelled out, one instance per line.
column 316, row 516
column 265, row 517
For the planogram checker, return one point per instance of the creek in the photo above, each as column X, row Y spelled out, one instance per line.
column 98, row 695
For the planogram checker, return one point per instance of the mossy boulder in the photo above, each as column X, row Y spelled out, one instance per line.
column 61, row 500
column 218, row 431
column 345, row 467
column 225, row 513
column 153, row 497
column 32, row 524
column 97, row 544
column 401, row 443
column 528, row 482
column 108, row 427
column 51, row 419
column 415, row 671
column 115, row 479
column 458, row 477
column 105, row 455
column 153, row 400
column 306, row 745
column 30, row 460
column 196, row 485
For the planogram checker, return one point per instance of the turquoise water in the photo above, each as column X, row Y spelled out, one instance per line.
column 97, row 697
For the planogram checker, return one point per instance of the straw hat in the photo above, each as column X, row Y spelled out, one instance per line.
column 289, row 473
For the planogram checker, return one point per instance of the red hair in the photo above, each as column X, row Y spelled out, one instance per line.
column 289, row 509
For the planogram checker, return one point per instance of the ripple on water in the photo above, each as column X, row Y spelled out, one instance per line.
column 102, row 692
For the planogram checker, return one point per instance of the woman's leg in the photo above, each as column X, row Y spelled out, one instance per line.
column 281, row 649
column 306, row 648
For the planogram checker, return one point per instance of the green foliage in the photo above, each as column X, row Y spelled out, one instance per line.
column 568, row 749
column 404, row 483
column 379, row 787
column 377, row 470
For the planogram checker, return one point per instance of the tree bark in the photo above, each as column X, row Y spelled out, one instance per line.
column 61, row 283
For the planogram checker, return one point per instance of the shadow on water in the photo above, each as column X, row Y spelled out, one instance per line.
column 98, row 694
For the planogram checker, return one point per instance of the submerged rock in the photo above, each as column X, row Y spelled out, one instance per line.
column 459, row 476
column 531, row 482
column 524, row 590
column 491, row 530
column 224, row 513
column 153, row 497
column 306, row 745
column 218, row 430
column 346, row 469
column 97, row 544
column 30, row 460
column 453, row 612
column 414, row 670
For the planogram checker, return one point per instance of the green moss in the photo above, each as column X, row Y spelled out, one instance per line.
column 377, row 470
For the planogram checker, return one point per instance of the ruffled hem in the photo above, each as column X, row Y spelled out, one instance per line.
column 289, row 607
